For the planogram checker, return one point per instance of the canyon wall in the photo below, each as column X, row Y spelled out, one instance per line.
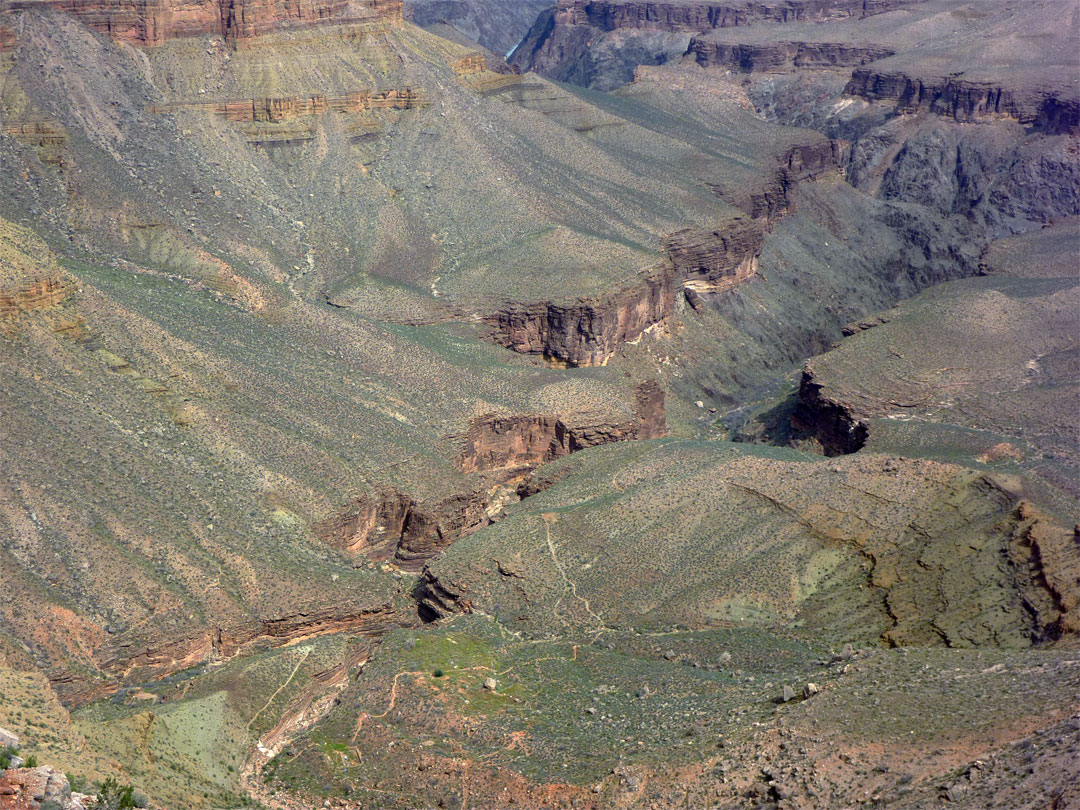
column 584, row 333
column 514, row 442
column 612, row 14
column 152, row 22
column 1045, row 109
column 830, row 422
column 782, row 56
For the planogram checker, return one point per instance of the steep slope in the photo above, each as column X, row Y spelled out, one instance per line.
column 598, row 44
column 985, row 367
column 495, row 25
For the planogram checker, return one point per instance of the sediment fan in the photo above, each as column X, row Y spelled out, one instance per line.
column 385, row 427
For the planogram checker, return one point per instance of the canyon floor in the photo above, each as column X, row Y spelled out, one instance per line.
column 679, row 412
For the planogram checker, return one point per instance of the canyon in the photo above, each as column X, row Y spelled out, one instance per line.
column 680, row 414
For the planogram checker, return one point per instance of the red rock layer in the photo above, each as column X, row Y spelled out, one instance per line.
column 34, row 789
column 1045, row 109
column 275, row 110
column 587, row 332
column 155, row 658
column 32, row 295
column 510, row 443
column 388, row 524
column 152, row 22
column 391, row 525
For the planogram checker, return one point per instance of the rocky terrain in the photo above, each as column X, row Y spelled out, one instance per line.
column 498, row 26
column 687, row 422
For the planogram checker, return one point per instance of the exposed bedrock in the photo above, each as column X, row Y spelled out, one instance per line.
column 585, row 333
column 390, row 525
column 1043, row 109
column 710, row 261
column 782, row 56
column 152, row 22
column 700, row 261
column 598, row 44
column 612, row 14
column 140, row 658
column 513, row 442
column 772, row 198
column 831, row 422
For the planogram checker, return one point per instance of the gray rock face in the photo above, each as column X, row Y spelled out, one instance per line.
column 495, row 24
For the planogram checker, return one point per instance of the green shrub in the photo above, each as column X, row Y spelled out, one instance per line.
column 438, row 673
column 31, row 761
column 111, row 796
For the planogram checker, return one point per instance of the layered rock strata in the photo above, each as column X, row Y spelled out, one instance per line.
column 152, row 22
column 274, row 110
column 782, row 56
column 514, row 442
column 391, row 525
column 699, row 262
column 690, row 16
column 155, row 658
column 1044, row 109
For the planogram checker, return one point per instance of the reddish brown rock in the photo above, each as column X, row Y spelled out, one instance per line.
column 35, row 788
column 514, row 442
column 156, row 658
column 587, row 332
column 712, row 261
column 152, row 22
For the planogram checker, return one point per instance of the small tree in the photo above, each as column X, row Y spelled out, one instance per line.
column 113, row 797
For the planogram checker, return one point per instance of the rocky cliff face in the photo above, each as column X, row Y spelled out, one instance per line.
column 1043, row 109
column 611, row 14
column 782, row 56
column 516, row 442
column 585, row 333
column 709, row 261
column 600, row 43
column 152, row 22
column 391, row 525
column 831, row 422
column 42, row 788
column 699, row 262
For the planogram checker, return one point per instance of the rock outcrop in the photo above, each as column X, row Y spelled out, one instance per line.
column 30, row 279
column 712, row 261
column 782, row 57
column 514, row 442
column 699, row 262
column 156, row 657
column 562, row 42
column 587, row 332
column 1044, row 109
column 612, row 14
column 42, row 788
column 152, row 22
column 831, row 422
column 390, row 525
